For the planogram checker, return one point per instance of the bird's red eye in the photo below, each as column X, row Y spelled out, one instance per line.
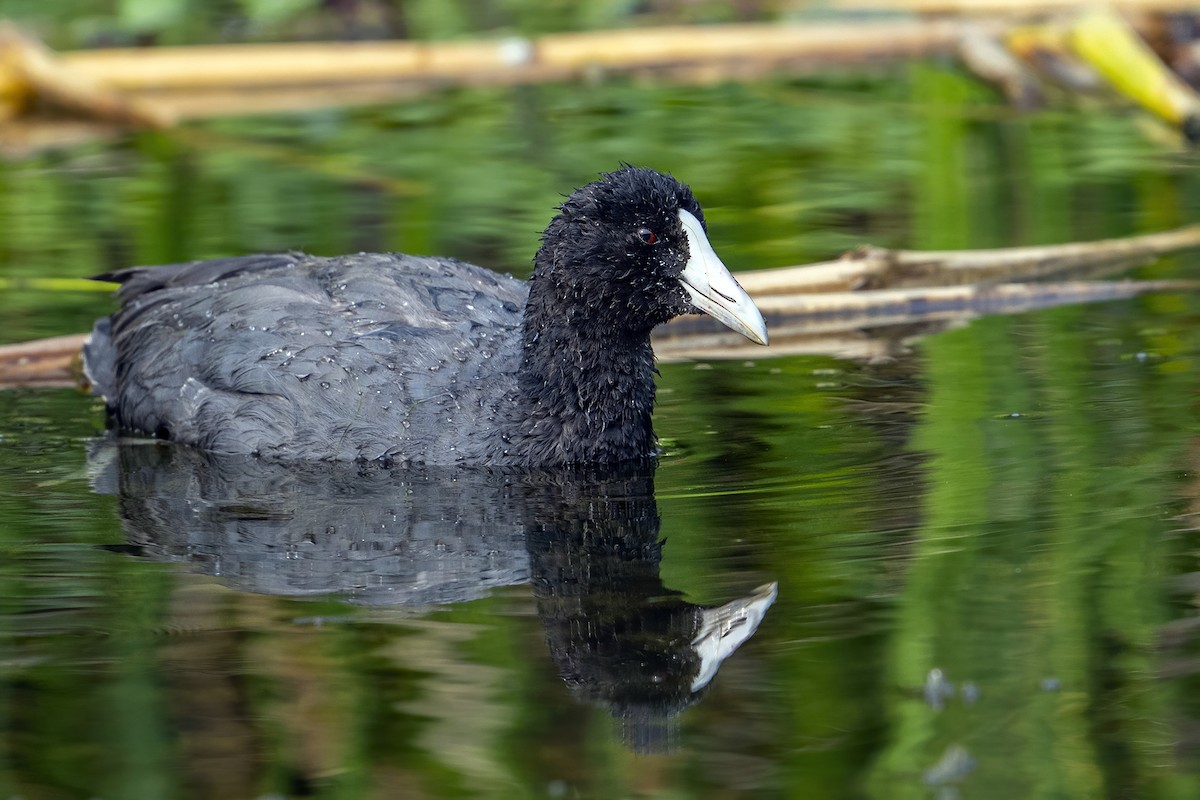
column 646, row 235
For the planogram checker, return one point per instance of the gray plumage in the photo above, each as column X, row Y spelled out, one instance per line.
column 349, row 358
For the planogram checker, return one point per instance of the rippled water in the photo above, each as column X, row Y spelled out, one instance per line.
column 983, row 547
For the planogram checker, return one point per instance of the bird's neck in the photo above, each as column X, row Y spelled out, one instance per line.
column 586, row 389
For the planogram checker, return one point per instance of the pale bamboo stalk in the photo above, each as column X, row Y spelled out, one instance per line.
column 839, row 323
column 644, row 47
column 225, row 66
column 228, row 66
column 876, row 267
column 26, row 63
column 43, row 362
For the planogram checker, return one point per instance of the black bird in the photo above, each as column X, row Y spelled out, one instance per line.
column 407, row 359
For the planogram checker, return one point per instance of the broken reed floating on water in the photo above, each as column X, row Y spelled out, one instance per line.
column 163, row 84
column 156, row 87
column 837, row 324
column 819, row 308
column 871, row 267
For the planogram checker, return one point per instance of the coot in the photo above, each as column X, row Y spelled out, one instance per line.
column 403, row 358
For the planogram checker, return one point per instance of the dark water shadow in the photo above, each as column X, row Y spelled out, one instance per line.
column 587, row 542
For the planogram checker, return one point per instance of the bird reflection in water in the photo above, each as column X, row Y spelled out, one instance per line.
column 587, row 541
column 621, row 639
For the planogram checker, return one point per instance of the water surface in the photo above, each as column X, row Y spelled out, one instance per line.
column 984, row 547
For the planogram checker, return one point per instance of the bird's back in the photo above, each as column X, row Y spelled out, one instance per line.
column 367, row 356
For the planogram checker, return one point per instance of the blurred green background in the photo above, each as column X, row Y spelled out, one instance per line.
column 1008, row 505
column 83, row 23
